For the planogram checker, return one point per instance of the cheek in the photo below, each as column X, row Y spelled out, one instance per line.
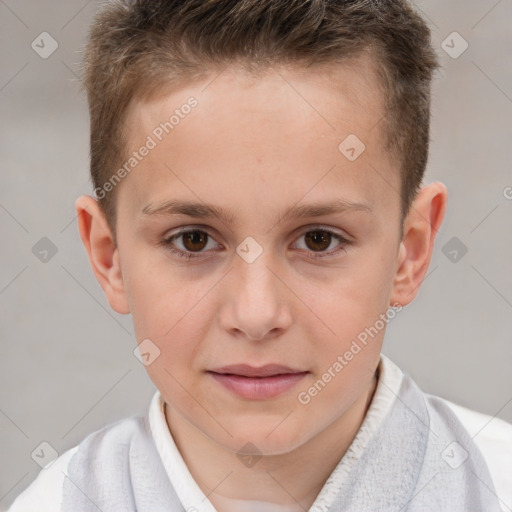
column 373, row 278
column 174, row 311
column 352, row 315
column 343, row 363
column 356, row 295
column 160, row 295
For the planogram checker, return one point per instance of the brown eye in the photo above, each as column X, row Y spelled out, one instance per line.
column 320, row 243
column 195, row 240
column 189, row 243
column 318, row 240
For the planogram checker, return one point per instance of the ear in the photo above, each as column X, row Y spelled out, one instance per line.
column 102, row 251
column 415, row 252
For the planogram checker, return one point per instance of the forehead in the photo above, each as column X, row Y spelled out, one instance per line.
column 280, row 130
column 286, row 89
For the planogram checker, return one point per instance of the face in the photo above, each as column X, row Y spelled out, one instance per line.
column 247, row 237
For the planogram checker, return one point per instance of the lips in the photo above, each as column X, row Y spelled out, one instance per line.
column 257, row 383
column 244, row 370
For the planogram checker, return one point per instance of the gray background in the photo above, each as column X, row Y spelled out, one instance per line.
column 67, row 366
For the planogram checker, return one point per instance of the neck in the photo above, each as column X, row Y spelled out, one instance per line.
column 287, row 482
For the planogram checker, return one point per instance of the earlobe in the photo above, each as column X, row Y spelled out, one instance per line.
column 103, row 254
column 420, row 229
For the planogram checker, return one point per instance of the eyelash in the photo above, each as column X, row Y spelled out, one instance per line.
column 167, row 243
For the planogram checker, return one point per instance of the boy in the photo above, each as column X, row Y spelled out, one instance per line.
column 257, row 166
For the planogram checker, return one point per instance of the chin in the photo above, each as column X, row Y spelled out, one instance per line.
column 269, row 437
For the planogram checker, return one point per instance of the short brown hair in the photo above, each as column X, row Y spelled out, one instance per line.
column 137, row 47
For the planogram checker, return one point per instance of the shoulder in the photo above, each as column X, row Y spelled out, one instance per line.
column 460, row 434
column 44, row 494
column 493, row 438
column 475, row 436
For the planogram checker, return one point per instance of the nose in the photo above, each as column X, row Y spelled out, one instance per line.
column 257, row 302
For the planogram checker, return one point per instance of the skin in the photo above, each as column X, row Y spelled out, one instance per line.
column 257, row 146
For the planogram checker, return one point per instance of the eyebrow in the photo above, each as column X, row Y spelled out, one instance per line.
column 226, row 215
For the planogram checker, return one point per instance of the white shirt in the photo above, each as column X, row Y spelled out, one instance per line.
column 492, row 436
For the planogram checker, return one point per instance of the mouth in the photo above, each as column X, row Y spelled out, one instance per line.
column 257, row 383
